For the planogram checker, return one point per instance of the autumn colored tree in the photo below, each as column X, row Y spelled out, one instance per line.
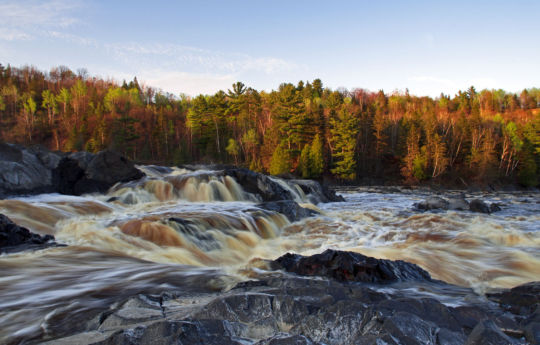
column 474, row 135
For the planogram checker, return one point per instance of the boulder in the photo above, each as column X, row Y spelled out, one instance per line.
column 14, row 238
column 38, row 170
column 26, row 171
column 520, row 300
column 350, row 266
column 84, row 172
column 487, row 333
column 433, row 203
column 477, row 205
column 458, row 204
column 266, row 187
column 283, row 309
column 494, row 207
column 315, row 191
column 289, row 208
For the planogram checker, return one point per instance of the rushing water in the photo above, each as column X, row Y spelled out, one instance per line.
column 194, row 230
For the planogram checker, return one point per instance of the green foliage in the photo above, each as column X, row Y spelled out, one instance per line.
column 304, row 164
column 233, row 149
column 280, row 163
column 2, row 104
column 316, row 156
column 476, row 135
column 527, row 174
column 344, row 130
column 419, row 164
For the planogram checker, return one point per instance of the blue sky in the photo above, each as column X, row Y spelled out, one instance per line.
column 203, row 46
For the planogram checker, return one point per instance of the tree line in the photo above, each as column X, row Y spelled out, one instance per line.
column 304, row 128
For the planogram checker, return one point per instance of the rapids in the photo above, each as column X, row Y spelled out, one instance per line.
column 183, row 230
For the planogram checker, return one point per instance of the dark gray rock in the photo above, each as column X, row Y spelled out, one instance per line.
column 286, row 310
column 487, row 333
column 433, row 203
column 315, row 191
column 458, row 204
column 25, row 171
column 287, row 339
column 520, row 300
column 260, row 184
column 494, row 207
column 37, row 170
column 83, row 172
column 477, row 205
column 14, row 238
column 290, row 209
column 349, row 266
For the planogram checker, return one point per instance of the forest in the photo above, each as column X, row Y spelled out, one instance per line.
column 305, row 129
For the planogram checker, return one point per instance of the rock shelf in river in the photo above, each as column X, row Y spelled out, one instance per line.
column 14, row 238
column 287, row 309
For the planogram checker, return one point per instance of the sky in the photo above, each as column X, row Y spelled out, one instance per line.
column 203, row 46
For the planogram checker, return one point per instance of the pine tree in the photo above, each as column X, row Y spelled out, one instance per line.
column 344, row 130
column 304, row 163
column 280, row 163
column 316, row 157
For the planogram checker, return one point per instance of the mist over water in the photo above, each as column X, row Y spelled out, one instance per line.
column 195, row 231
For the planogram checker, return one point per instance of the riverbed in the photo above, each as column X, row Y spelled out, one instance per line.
column 194, row 231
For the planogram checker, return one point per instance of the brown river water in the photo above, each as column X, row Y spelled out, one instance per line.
column 193, row 231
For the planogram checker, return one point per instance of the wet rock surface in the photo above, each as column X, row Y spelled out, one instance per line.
column 456, row 204
column 286, row 309
column 260, row 184
column 14, row 238
column 37, row 170
column 349, row 266
column 316, row 192
column 26, row 170
column 83, row 172
column 290, row 209
column 268, row 188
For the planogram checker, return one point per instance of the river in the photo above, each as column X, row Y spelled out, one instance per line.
column 184, row 230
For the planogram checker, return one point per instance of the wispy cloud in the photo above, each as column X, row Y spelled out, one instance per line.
column 172, row 67
column 177, row 68
column 23, row 20
column 175, row 57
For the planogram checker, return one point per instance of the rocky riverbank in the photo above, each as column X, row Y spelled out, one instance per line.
column 36, row 170
column 116, row 282
column 335, row 298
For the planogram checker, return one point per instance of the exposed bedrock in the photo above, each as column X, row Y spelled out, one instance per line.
column 456, row 204
column 26, row 170
column 287, row 309
column 349, row 266
column 14, row 238
column 271, row 190
column 36, row 170
column 83, row 172
column 289, row 209
column 316, row 192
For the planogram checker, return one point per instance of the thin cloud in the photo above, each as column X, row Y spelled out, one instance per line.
column 200, row 60
column 23, row 20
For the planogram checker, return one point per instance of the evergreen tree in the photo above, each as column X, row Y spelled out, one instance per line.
column 304, row 163
column 316, row 156
column 344, row 130
column 280, row 163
